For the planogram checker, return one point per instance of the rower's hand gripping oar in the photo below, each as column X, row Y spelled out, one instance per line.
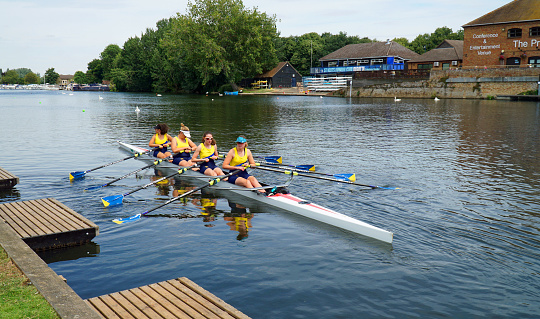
column 81, row 174
column 155, row 163
column 114, row 200
column 210, row 183
column 266, row 168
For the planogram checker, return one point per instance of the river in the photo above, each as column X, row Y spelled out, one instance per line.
column 466, row 219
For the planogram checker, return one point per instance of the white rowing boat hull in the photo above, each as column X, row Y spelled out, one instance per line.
column 287, row 202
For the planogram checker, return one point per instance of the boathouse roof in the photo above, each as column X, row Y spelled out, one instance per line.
column 370, row 50
column 274, row 71
column 448, row 50
column 515, row 11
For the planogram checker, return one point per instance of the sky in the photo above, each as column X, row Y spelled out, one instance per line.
column 67, row 35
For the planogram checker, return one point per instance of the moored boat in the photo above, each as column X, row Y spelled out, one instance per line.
column 282, row 200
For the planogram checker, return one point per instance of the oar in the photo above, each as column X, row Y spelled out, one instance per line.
column 210, row 183
column 114, row 200
column 128, row 174
column 321, row 177
column 302, row 168
column 272, row 158
column 81, row 174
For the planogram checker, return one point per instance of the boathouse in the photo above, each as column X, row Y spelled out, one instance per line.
column 507, row 36
column 448, row 55
column 363, row 57
column 284, row 75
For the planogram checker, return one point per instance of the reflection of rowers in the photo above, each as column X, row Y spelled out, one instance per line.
column 238, row 220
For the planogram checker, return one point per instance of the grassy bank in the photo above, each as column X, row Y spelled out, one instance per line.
column 18, row 298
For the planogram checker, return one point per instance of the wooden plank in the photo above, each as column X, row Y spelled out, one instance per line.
column 128, row 306
column 120, row 311
column 58, row 217
column 164, row 302
column 81, row 218
column 186, row 311
column 101, row 308
column 37, row 218
column 212, row 298
column 15, row 217
column 139, row 304
column 6, row 215
column 153, row 303
column 190, row 302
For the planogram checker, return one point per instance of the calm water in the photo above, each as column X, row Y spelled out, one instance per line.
column 466, row 222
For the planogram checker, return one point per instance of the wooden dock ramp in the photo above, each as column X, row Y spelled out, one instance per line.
column 47, row 223
column 177, row 298
column 7, row 180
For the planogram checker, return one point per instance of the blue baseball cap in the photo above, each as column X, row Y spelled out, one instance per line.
column 240, row 139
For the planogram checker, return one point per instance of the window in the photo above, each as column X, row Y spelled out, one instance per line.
column 514, row 33
column 332, row 64
column 361, row 62
column 425, row 66
column 435, row 64
column 534, row 31
column 446, row 66
column 377, row 61
column 454, row 63
column 513, row 61
column 534, row 61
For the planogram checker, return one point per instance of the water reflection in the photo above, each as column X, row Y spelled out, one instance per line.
column 90, row 249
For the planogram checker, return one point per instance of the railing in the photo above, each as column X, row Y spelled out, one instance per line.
column 351, row 69
column 326, row 84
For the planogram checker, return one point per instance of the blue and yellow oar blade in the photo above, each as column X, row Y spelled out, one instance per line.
column 76, row 175
column 346, row 177
column 112, row 200
column 306, row 167
column 127, row 220
column 276, row 159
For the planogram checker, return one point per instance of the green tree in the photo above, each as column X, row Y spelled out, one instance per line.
column 426, row 42
column 11, row 77
column 94, row 74
column 109, row 59
column 31, row 78
column 80, row 77
column 51, row 76
column 221, row 41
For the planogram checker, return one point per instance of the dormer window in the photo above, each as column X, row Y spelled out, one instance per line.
column 514, row 33
column 534, row 31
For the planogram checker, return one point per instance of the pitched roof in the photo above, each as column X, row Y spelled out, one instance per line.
column 370, row 50
column 275, row 70
column 448, row 50
column 517, row 10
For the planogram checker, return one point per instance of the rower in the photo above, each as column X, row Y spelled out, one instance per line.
column 182, row 146
column 236, row 158
column 162, row 140
column 206, row 153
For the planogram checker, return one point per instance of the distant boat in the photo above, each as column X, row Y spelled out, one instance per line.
column 158, row 94
column 91, row 87
column 231, row 93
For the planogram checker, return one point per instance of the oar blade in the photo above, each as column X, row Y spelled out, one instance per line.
column 306, row 167
column 112, row 200
column 346, row 177
column 76, row 175
column 93, row 187
column 127, row 220
column 276, row 159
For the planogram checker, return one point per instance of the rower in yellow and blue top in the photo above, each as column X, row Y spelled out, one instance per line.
column 161, row 140
column 182, row 147
column 206, row 153
column 237, row 159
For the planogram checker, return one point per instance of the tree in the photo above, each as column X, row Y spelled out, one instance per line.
column 51, row 76
column 11, row 77
column 31, row 78
column 80, row 77
column 220, row 41
column 426, row 42
column 109, row 59
column 94, row 74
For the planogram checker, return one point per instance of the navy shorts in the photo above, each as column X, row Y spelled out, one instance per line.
column 243, row 174
column 207, row 165
column 181, row 157
column 161, row 150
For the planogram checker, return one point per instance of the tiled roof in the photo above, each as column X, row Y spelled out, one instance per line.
column 274, row 71
column 448, row 50
column 370, row 50
column 517, row 10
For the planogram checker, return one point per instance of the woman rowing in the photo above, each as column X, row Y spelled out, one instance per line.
column 206, row 153
column 182, row 146
column 162, row 140
column 235, row 160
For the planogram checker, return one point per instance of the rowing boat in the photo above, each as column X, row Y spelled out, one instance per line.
column 281, row 200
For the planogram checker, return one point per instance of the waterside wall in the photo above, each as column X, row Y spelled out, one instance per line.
column 462, row 84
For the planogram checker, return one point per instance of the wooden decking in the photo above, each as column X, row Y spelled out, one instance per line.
column 177, row 298
column 7, row 180
column 47, row 223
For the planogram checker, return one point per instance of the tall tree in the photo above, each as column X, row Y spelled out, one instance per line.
column 109, row 59
column 51, row 76
column 11, row 77
column 31, row 78
column 221, row 41
column 426, row 42
column 80, row 77
column 94, row 74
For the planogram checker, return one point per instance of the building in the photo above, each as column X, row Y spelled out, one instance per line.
column 448, row 55
column 373, row 56
column 284, row 75
column 507, row 36
column 65, row 80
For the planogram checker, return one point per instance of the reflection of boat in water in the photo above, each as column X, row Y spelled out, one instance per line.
column 91, row 87
column 280, row 199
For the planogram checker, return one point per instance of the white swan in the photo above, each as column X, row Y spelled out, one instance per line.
column 437, row 99
column 396, row 99
column 137, row 110
column 100, row 97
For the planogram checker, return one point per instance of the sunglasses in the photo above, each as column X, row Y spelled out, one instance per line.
column 208, row 138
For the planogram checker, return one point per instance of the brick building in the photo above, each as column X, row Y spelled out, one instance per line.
column 507, row 36
column 447, row 55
